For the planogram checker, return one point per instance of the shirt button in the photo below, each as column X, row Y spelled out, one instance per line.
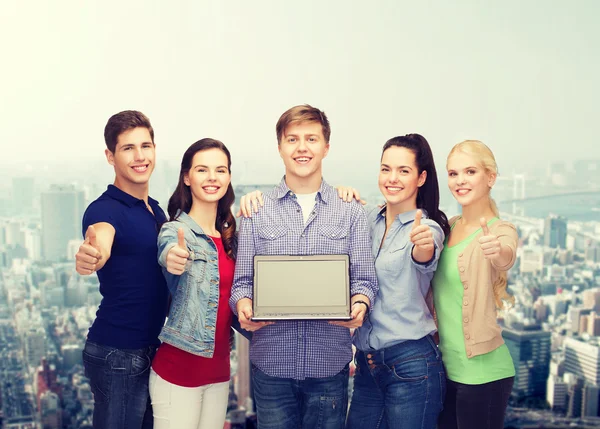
column 465, row 302
column 466, row 320
column 469, row 353
column 332, row 235
column 467, row 336
column 460, row 256
column 298, row 211
column 369, row 355
column 370, row 362
column 466, row 287
column 272, row 235
column 462, row 269
column 302, row 235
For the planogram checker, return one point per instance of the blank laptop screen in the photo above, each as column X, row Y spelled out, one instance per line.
column 301, row 287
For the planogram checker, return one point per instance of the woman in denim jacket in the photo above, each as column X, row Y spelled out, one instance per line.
column 189, row 381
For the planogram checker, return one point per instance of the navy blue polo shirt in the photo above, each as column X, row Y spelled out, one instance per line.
column 133, row 288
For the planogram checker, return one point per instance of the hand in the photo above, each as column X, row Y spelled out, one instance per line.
column 421, row 235
column 347, row 193
column 178, row 255
column 249, row 202
column 358, row 314
column 244, row 309
column 490, row 245
column 89, row 255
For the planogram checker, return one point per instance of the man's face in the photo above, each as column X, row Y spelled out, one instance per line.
column 133, row 158
column 302, row 148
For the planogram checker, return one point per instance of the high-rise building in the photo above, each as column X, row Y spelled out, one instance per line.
column 35, row 346
column 62, row 210
column 555, row 231
column 589, row 401
column 556, row 393
column 530, row 351
column 583, row 360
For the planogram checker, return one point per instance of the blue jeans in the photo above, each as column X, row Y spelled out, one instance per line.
column 313, row 403
column 119, row 382
column 402, row 386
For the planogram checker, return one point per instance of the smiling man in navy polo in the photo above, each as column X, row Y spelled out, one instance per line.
column 121, row 229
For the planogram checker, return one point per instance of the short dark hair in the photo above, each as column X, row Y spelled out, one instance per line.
column 300, row 114
column 125, row 121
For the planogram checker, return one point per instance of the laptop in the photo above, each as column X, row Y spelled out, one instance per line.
column 301, row 287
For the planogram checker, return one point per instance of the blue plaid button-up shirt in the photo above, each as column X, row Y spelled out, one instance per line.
column 308, row 348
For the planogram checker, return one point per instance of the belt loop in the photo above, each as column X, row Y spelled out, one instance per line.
column 435, row 347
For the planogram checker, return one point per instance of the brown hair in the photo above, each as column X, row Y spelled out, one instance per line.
column 300, row 114
column 181, row 200
column 124, row 121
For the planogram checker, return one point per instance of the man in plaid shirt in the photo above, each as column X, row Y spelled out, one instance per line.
column 300, row 368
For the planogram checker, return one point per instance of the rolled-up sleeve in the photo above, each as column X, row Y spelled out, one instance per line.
column 244, row 265
column 363, row 279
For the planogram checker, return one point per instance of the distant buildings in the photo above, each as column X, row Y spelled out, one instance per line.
column 62, row 211
column 555, row 232
column 529, row 347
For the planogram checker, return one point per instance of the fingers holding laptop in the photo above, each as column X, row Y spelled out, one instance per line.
column 359, row 311
column 244, row 309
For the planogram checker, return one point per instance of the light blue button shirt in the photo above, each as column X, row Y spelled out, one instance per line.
column 400, row 312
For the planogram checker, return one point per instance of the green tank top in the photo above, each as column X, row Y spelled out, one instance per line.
column 448, row 297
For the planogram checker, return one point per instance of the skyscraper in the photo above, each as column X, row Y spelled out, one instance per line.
column 62, row 210
column 583, row 360
column 555, row 231
column 530, row 350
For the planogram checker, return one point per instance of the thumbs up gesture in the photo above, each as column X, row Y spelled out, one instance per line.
column 89, row 255
column 421, row 235
column 178, row 255
column 490, row 245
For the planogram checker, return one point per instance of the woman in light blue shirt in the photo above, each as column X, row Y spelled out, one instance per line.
column 400, row 379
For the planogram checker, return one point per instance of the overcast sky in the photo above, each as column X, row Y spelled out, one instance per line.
column 520, row 75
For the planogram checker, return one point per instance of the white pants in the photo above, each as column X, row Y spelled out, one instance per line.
column 176, row 407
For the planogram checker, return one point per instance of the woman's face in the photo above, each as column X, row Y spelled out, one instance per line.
column 399, row 178
column 209, row 176
column 468, row 180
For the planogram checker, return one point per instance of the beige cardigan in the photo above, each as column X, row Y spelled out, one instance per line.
column 481, row 331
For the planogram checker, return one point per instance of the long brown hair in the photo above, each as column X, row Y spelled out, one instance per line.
column 428, row 195
column 181, row 200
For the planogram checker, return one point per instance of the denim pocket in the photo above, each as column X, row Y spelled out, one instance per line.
column 410, row 370
column 96, row 370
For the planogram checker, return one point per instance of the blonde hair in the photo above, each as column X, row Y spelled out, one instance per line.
column 485, row 157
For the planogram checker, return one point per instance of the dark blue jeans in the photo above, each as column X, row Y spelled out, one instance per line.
column 313, row 403
column 119, row 382
column 402, row 386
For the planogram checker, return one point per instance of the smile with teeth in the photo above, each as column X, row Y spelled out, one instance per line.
column 302, row 159
column 393, row 188
column 462, row 191
column 140, row 168
column 210, row 189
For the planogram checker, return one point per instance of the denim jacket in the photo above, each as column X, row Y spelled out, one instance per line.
column 195, row 293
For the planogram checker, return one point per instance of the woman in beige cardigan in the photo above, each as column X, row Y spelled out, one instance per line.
column 468, row 287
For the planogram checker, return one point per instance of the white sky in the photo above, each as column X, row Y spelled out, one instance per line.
column 520, row 75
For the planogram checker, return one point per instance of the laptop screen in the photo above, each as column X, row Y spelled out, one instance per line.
column 301, row 287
